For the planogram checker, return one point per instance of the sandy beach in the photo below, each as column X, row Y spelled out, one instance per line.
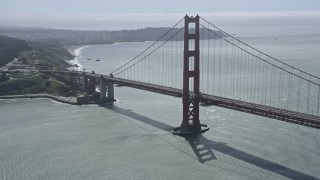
column 72, row 49
column 75, row 51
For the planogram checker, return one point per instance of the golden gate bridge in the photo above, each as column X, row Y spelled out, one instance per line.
column 203, row 64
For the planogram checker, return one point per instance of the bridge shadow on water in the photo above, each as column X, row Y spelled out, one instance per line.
column 203, row 147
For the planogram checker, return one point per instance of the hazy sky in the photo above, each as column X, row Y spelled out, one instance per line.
column 124, row 14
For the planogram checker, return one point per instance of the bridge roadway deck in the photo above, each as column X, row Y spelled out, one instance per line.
column 252, row 108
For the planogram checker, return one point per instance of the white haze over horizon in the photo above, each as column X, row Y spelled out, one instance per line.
column 119, row 21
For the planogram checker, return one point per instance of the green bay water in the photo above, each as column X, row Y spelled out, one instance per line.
column 131, row 139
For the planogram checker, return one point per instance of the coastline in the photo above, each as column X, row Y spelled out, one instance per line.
column 72, row 100
column 67, row 100
column 75, row 50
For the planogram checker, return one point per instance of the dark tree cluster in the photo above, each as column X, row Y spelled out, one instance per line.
column 10, row 48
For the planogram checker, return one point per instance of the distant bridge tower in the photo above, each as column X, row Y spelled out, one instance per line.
column 191, row 71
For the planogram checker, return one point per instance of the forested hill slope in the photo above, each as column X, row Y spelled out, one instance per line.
column 51, row 54
column 11, row 48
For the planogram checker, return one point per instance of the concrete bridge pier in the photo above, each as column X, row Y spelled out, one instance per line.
column 84, row 82
column 106, row 88
column 110, row 97
column 103, row 90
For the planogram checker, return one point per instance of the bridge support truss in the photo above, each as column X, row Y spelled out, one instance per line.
column 191, row 72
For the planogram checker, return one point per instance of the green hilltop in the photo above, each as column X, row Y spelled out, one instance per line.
column 31, row 56
column 11, row 48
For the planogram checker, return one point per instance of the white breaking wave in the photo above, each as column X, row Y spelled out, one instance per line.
column 75, row 61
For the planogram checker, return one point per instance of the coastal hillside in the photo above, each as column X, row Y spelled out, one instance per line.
column 49, row 53
column 11, row 48
column 77, row 37
column 33, row 55
column 17, row 83
column 18, row 61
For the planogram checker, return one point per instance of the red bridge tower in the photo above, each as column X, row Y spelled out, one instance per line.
column 191, row 73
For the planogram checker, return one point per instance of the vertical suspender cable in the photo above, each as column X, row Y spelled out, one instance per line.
column 288, row 96
column 257, row 81
column 282, row 85
column 252, row 99
column 239, row 74
column 318, row 108
column 202, row 58
column 248, row 92
column 308, row 95
column 167, row 64
column 232, row 69
column 220, row 56
column 214, row 64
column 265, row 74
column 208, row 61
column 280, row 89
column 298, row 97
column 226, row 68
column 171, row 63
column 274, row 100
column 272, row 86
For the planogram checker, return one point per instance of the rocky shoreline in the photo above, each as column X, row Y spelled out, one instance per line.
column 62, row 99
column 72, row 100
